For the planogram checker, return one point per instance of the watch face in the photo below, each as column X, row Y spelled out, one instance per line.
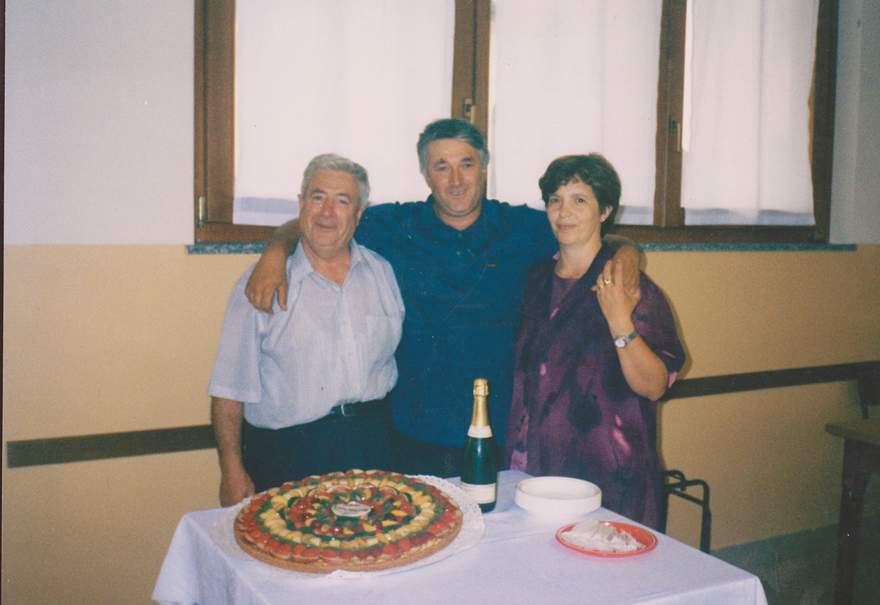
column 622, row 341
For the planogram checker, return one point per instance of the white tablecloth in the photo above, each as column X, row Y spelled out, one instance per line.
column 518, row 560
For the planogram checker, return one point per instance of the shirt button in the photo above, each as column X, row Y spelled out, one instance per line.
column 458, row 253
column 543, row 369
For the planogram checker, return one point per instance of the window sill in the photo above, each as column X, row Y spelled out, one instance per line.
column 728, row 247
column 226, row 248
column 257, row 248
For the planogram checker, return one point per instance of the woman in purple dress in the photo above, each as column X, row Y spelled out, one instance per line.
column 591, row 358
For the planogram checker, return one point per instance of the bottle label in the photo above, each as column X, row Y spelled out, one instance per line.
column 480, row 432
column 482, row 494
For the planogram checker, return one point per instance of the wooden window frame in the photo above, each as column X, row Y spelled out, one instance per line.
column 215, row 124
column 215, row 107
column 215, row 127
column 669, row 224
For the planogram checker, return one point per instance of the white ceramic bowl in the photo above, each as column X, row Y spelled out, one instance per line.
column 558, row 497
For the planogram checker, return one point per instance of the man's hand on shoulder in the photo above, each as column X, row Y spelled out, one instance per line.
column 629, row 255
column 269, row 278
column 628, row 258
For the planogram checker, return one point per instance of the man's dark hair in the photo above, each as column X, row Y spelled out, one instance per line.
column 460, row 130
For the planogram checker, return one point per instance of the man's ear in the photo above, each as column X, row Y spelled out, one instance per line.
column 299, row 198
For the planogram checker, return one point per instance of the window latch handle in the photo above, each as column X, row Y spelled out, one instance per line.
column 470, row 111
column 675, row 128
column 202, row 211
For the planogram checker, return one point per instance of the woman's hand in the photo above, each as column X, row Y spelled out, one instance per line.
column 616, row 301
column 268, row 278
column 643, row 370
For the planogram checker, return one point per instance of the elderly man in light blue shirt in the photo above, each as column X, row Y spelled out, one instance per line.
column 307, row 386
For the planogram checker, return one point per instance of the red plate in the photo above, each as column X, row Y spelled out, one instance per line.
column 642, row 536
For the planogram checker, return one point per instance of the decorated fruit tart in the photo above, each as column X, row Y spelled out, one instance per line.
column 357, row 520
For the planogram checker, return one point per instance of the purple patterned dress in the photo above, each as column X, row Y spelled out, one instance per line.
column 573, row 413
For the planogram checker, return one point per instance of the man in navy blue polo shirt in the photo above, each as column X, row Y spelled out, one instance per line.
column 460, row 261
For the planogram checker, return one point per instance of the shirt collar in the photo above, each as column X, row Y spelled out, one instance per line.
column 299, row 267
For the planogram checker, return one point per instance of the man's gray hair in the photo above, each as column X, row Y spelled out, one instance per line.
column 331, row 161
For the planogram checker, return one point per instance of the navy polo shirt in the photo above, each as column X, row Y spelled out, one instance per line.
column 462, row 291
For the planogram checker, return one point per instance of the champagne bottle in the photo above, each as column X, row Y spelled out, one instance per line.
column 479, row 460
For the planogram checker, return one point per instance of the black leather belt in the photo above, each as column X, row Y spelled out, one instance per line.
column 358, row 407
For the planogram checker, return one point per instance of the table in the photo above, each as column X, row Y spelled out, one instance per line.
column 861, row 457
column 518, row 560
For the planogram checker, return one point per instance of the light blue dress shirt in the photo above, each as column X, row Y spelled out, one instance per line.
column 333, row 345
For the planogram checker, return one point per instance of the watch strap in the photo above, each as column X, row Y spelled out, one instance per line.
column 622, row 341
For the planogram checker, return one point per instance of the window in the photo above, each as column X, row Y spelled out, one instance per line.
column 574, row 76
column 669, row 221
column 355, row 77
column 215, row 136
column 215, row 110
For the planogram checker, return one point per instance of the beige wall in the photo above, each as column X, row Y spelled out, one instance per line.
column 771, row 467
column 119, row 338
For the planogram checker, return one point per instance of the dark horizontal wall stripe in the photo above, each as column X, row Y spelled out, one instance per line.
column 755, row 381
column 33, row 452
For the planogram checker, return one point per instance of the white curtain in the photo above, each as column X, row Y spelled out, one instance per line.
column 747, row 116
column 574, row 76
column 360, row 78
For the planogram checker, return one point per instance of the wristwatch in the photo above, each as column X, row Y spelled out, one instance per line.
column 622, row 341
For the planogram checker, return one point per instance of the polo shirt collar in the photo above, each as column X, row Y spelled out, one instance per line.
column 487, row 221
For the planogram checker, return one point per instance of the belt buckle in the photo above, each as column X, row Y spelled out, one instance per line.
column 353, row 409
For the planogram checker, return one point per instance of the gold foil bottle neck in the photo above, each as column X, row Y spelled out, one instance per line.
column 481, row 410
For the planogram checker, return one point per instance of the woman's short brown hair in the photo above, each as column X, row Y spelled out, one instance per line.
column 591, row 169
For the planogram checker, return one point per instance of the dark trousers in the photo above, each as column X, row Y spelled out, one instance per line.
column 331, row 443
column 414, row 457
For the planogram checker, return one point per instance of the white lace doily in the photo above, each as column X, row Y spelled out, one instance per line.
column 471, row 533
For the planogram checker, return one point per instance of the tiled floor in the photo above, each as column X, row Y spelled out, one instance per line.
column 799, row 569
